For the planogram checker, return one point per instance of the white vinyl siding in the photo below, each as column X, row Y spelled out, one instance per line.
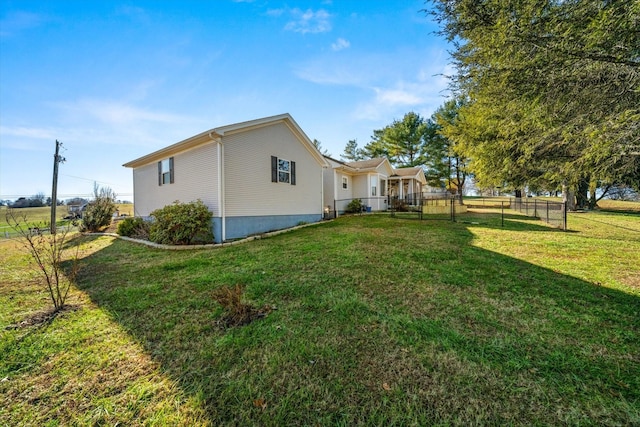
column 360, row 186
column 195, row 178
column 343, row 193
column 249, row 190
column 328, row 178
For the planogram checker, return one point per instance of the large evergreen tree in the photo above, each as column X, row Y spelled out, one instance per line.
column 553, row 89
column 402, row 142
column 445, row 151
column 352, row 152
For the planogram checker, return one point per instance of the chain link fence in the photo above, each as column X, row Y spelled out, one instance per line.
column 447, row 207
column 553, row 213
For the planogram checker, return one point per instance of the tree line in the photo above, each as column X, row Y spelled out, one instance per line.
column 40, row 200
column 418, row 141
column 550, row 93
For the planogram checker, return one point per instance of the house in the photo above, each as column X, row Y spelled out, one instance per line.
column 407, row 184
column 255, row 176
column 374, row 181
column 365, row 180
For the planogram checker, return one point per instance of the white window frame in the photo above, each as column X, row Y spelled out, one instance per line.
column 166, row 172
column 286, row 172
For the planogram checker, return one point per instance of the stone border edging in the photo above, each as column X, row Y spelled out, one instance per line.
column 210, row 245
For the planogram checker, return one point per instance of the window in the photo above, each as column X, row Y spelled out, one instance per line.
column 165, row 171
column 283, row 171
column 373, row 190
column 344, row 182
column 383, row 187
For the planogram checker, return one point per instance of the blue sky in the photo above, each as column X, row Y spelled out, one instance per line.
column 116, row 80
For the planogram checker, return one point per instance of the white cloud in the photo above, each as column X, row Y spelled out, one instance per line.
column 28, row 132
column 362, row 70
column 422, row 95
column 335, row 75
column 275, row 12
column 117, row 113
column 19, row 21
column 102, row 123
column 340, row 44
column 309, row 21
column 398, row 97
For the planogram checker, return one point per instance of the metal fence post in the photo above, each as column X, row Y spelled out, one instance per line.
column 453, row 210
column 547, row 211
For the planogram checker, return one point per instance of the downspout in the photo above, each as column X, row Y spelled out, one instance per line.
column 322, row 192
column 221, row 207
column 335, row 191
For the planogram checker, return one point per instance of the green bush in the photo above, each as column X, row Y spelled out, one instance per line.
column 182, row 224
column 354, row 206
column 133, row 227
column 97, row 214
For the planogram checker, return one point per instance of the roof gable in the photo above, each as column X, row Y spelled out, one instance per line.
column 379, row 164
column 413, row 172
column 218, row 134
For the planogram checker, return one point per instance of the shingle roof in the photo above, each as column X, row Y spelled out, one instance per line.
column 365, row 164
column 407, row 171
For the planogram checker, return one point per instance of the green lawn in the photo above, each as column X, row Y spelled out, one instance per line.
column 378, row 321
column 42, row 216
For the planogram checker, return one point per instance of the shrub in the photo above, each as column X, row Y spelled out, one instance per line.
column 182, row 224
column 400, row 206
column 98, row 212
column 237, row 312
column 134, row 227
column 354, row 206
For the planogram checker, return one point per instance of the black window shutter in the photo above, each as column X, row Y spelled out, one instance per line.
column 159, row 173
column 171, row 170
column 274, row 169
column 293, row 173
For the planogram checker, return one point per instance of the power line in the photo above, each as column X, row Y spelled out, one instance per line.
column 87, row 179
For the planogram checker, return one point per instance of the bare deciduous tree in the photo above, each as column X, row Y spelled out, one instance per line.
column 47, row 252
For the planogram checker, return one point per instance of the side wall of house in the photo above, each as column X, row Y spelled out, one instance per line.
column 247, row 163
column 195, row 177
column 361, row 187
column 343, row 195
column 329, row 189
column 255, row 204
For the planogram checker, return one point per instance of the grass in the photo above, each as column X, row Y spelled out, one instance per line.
column 42, row 216
column 618, row 205
column 377, row 321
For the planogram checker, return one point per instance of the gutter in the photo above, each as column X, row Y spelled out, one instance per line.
column 217, row 138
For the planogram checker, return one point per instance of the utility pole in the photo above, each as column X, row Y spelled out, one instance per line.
column 54, row 191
